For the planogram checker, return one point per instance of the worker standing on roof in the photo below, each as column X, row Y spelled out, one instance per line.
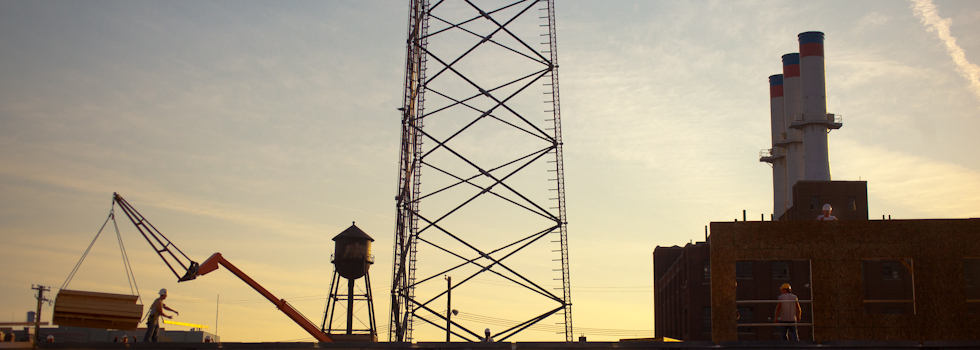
column 826, row 214
column 487, row 338
column 152, row 321
column 788, row 313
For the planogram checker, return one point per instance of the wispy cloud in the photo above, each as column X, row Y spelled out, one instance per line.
column 927, row 13
column 57, row 174
column 923, row 188
column 873, row 19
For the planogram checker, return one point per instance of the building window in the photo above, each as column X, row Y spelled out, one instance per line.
column 971, row 271
column 755, row 298
column 815, row 203
column 743, row 269
column 893, row 311
column 780, row 270
column 706, row 319
column 707, row 270
column 852, row 204
column 746, row 315
column 890, row 270
column 888, row 286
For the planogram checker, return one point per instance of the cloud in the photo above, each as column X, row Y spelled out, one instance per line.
column 915, row 187
column 56, row 168
column 927, row 13
column 874, row 19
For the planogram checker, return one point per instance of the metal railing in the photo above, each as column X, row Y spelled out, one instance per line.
column 369, row 258
column 773, row 324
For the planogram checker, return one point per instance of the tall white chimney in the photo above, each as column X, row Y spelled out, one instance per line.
column 792, row 107
column 815, row 122
column 776, row 155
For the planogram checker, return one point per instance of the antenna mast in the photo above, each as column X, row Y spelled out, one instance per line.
column 472, row 119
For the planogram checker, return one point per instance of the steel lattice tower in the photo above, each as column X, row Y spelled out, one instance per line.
column 493, row 204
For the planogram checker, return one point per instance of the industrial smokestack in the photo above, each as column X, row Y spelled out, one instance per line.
column 777, row 153
column 815, row 121
column 776, row 109
column 792, row 107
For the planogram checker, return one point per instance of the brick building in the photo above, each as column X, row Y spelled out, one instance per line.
column 913, row 280
column 682, row 292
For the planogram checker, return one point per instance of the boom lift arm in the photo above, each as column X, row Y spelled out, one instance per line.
column 216, row 259
column 173, row 257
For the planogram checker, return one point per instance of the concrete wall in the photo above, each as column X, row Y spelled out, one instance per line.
column 937, row 249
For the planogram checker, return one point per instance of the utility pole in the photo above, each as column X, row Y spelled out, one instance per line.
column 37, row 317
column 217, row 304
column 449, row 305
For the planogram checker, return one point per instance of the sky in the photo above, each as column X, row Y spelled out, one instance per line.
column 262, row 129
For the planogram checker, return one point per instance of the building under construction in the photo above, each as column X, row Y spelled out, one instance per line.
column 856, row 279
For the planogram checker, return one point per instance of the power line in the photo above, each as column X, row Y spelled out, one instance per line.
column 251, row 301
column 552, row 328
column 585, row 289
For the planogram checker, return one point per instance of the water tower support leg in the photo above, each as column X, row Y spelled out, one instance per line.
column 350, row 306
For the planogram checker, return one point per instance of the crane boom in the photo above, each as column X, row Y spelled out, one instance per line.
column 171, row 255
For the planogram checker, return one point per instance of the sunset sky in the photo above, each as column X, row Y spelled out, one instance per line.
column 263, row 129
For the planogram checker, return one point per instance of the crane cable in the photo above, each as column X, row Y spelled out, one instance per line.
column 79, row 264
column 130, row 276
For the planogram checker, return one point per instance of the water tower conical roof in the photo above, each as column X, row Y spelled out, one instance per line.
column 353, row 232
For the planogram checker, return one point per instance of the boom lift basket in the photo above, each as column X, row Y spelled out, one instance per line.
column 74, row 308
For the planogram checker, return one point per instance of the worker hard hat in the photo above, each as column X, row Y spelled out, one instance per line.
column 827, row 207
column 785, row 286
column 163, row 291
column 487, row 330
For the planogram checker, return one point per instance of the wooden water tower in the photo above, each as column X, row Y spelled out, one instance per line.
column 351, row 258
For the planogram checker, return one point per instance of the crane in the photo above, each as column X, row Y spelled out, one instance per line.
column 186, row 269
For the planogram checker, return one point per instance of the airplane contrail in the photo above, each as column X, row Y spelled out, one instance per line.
column 925, row 10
